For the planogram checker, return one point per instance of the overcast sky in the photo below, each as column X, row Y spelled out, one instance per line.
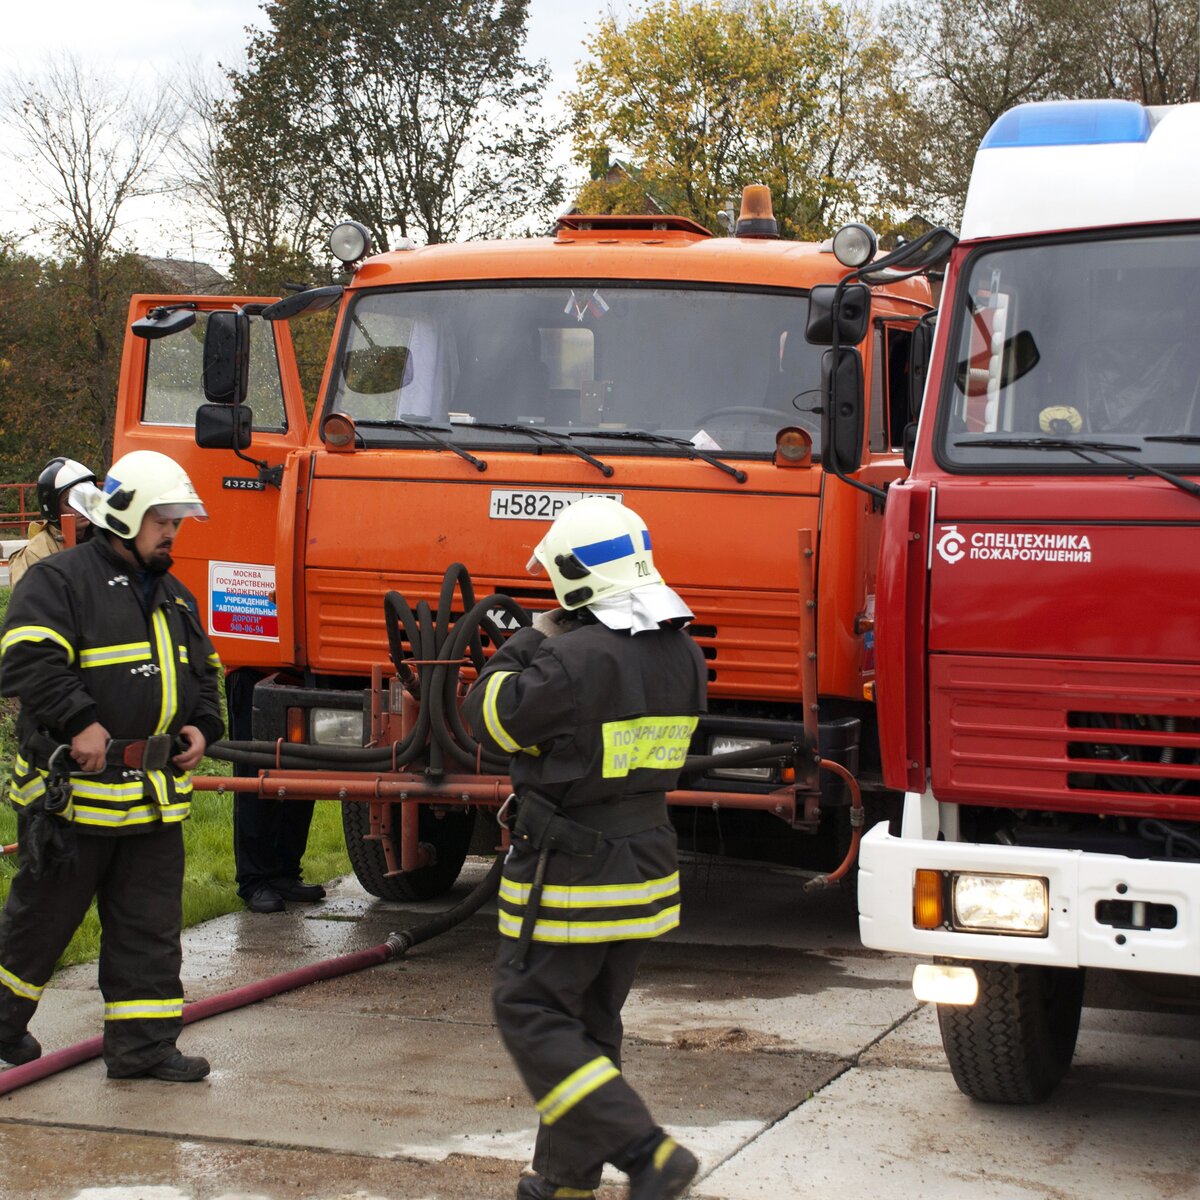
column 143, row 39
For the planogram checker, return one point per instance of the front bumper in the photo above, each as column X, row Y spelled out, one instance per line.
column 1083, row 887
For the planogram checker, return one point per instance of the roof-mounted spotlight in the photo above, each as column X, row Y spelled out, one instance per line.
column 855, row 244
column 349, row 242
column 757, row 219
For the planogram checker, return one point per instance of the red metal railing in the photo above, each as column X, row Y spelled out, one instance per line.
column 18, row 506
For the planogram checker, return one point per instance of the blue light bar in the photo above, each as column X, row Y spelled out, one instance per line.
column 1069, row 123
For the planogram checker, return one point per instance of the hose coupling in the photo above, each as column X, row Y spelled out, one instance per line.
column 398, row 944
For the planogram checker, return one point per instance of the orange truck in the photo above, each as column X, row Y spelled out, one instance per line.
column 471, row 392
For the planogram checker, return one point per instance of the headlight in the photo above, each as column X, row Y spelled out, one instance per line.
column 337, row 726
column 1001, row 904
column 727, row 745
column 944, row 984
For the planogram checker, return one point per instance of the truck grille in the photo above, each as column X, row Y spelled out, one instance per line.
column 750, row 640
column 1136, row 752
column 1115, row 738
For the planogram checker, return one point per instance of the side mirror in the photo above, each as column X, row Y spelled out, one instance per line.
column 854, row 314
column 918, row 365
column 843, row 418
column 226, row 357
column 223, row 426
column 1018, row 356
column 162, row 322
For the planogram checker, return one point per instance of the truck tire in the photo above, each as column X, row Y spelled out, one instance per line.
column 1015, row 1043
column 448, row 836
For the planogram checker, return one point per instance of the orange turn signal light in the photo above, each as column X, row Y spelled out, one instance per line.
column 338, row 432
column 297, row 725
column 793, row 447
column 928, row 900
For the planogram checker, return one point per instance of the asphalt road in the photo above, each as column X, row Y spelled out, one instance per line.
column 794, row 1062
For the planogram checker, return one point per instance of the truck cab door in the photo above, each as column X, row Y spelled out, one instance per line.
column 238, row 563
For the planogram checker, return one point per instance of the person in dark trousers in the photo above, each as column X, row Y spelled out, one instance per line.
column 269, row 836
column 596, row 703
column 119, row 698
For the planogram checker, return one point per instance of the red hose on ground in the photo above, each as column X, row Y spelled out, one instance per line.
column 211, row 1006
column 9, row 849
column 396, row 945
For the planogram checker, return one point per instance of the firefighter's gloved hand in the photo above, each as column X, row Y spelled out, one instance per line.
column 555, row 621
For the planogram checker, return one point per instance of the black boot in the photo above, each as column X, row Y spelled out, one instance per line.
column 178, row 1068
column 21, row 1050
column 662, row 1172
column 534, row 1187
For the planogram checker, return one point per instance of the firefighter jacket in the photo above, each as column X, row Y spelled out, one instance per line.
column 595, row 720
column 44, row 540
column 83, row 641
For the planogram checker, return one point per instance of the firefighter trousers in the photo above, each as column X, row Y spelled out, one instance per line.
column 137, row 881
column 560, row 1019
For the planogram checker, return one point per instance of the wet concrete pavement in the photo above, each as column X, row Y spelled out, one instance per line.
column 791, row 1059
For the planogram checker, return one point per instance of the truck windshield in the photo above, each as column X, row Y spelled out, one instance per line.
column 1077, row 341
column 726, row 368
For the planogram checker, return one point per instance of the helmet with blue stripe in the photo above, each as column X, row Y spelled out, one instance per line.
column 597, row 548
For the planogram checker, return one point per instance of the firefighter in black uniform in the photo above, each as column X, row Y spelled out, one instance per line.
column 597, row 704
column 118, row 688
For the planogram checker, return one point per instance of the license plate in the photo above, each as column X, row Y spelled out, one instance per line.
column 536, row 506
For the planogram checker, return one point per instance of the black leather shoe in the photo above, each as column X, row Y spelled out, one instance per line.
column 265, row 900
column 293, row 889
column 21, row 1050
column 534, row 1187
column 664, row 1173
column 179, row 1068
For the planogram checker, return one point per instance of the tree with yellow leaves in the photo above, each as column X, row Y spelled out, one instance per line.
column 707, row 97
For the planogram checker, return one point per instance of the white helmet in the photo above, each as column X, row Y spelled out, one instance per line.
column 596, row 549
column 138, row 482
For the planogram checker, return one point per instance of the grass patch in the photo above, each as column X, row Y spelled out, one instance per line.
column 209, row 889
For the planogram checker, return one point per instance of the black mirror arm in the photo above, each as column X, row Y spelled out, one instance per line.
column 267, row 474
column 829, row 457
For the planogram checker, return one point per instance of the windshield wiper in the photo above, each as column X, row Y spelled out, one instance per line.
column 1183, row 439
column 426, row 432
column 533, row 431
column 1108, row 449
column 663, row 439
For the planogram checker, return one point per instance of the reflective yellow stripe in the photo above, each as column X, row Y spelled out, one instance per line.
column 500, row 735
column 18, row 986
column 166, row 662
column 576, row 1087
column 589, row 932
column 105, row 656
column 183, row 654
column 138, row 814
column 214, row 660
column 610, row 895
column 647, row 743
column 124, row 792
column 35, row 633
column 132, row 1010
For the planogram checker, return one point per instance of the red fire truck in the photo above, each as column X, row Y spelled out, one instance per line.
column 1038, row 597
